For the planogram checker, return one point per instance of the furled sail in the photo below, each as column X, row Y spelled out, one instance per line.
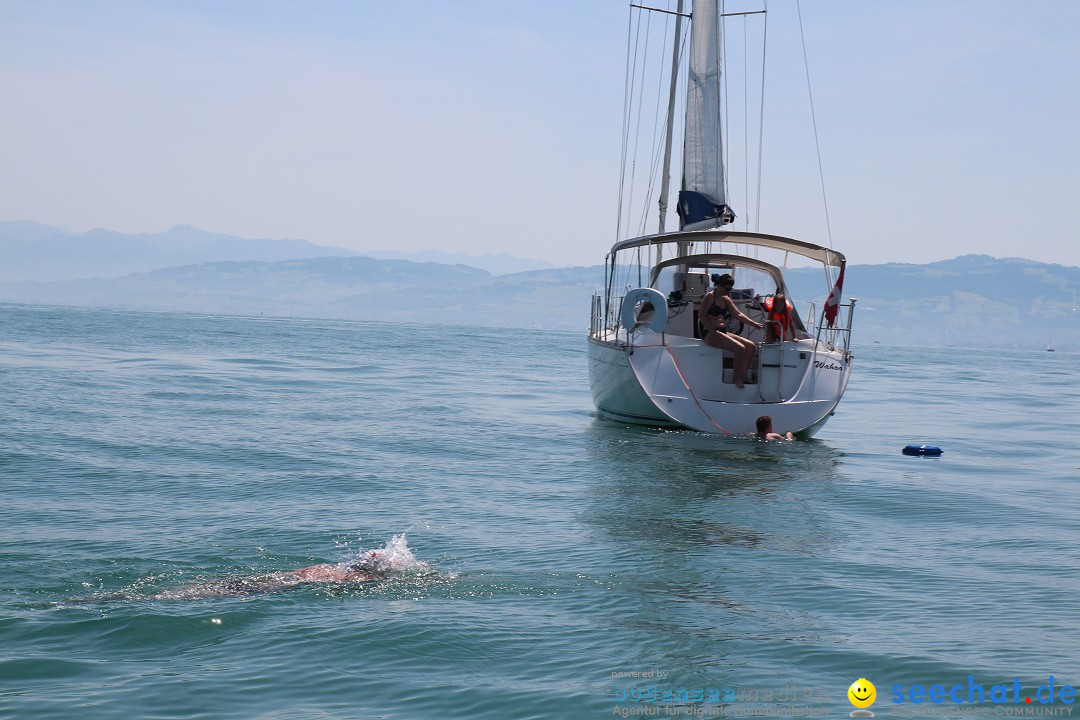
column 702, row 201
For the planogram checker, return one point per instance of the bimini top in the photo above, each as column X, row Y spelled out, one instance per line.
column 823, row 255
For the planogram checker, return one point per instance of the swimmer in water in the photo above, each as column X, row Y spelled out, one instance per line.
column 372, row 567
column 765, row 431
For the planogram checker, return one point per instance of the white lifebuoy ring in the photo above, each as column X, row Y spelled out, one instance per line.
column 629, row 314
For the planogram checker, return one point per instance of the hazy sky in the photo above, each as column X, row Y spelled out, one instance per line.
column 946, row 127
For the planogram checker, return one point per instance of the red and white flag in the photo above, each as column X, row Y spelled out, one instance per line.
column 832, row 305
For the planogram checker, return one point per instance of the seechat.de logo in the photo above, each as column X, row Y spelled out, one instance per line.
column 974, row 693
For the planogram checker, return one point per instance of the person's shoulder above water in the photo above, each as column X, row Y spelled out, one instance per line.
column 765, row 430
column 331, row 573
column 372, row 567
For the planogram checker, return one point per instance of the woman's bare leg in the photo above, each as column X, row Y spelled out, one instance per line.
column 736, row 345
column 742, row 360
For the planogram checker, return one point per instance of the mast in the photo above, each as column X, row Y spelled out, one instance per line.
column 665, row 183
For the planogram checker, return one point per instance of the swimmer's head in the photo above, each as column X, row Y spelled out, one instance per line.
column 373, row 564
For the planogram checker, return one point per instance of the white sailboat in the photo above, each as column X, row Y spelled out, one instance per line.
column 647, row 362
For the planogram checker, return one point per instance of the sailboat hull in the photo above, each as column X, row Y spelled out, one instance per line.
column 616, row 392
column 680, row 382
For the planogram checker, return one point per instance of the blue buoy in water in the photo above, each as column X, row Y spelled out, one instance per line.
column 922, row 450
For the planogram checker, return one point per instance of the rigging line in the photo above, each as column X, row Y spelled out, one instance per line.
column 721, row 73
column 651, row 187
column 725, row 147
column 669, row 129
column 813, row 118
column 720, row 77
column 630, row 269
column 691, row 392
column 653, row 170
column 678, row 139
column 681, row 101
column 636, row 96
column 637, row 124
column 654, row 165
column 746, row 125
column 627, row 84
column 669, row 12
column 635, row 260
column 635, row 263
column 761, row 120
column 676, row 98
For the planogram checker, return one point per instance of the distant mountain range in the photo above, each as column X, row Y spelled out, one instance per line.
column 501, row 264
column 970, row 301
column 32, row 251
column 340, row 287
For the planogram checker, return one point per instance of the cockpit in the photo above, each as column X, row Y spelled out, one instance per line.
column 684, row 282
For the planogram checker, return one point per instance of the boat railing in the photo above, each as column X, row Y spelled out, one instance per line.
column 595, row 314
column 837, row 337
column 774, row 329
column 604, row 317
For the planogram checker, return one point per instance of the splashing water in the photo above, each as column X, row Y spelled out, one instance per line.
column 394, row 557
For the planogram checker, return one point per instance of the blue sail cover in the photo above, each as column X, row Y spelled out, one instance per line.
column 695, row 207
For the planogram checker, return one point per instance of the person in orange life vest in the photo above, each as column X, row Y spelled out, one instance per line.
column 716, row 311
column 780, row 327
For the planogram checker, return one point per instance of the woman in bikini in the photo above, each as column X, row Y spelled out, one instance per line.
column 716, row 312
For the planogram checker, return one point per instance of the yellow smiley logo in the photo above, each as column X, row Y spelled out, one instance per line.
column 862, row 693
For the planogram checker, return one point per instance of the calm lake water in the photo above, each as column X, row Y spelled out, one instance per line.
column 151, row 464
